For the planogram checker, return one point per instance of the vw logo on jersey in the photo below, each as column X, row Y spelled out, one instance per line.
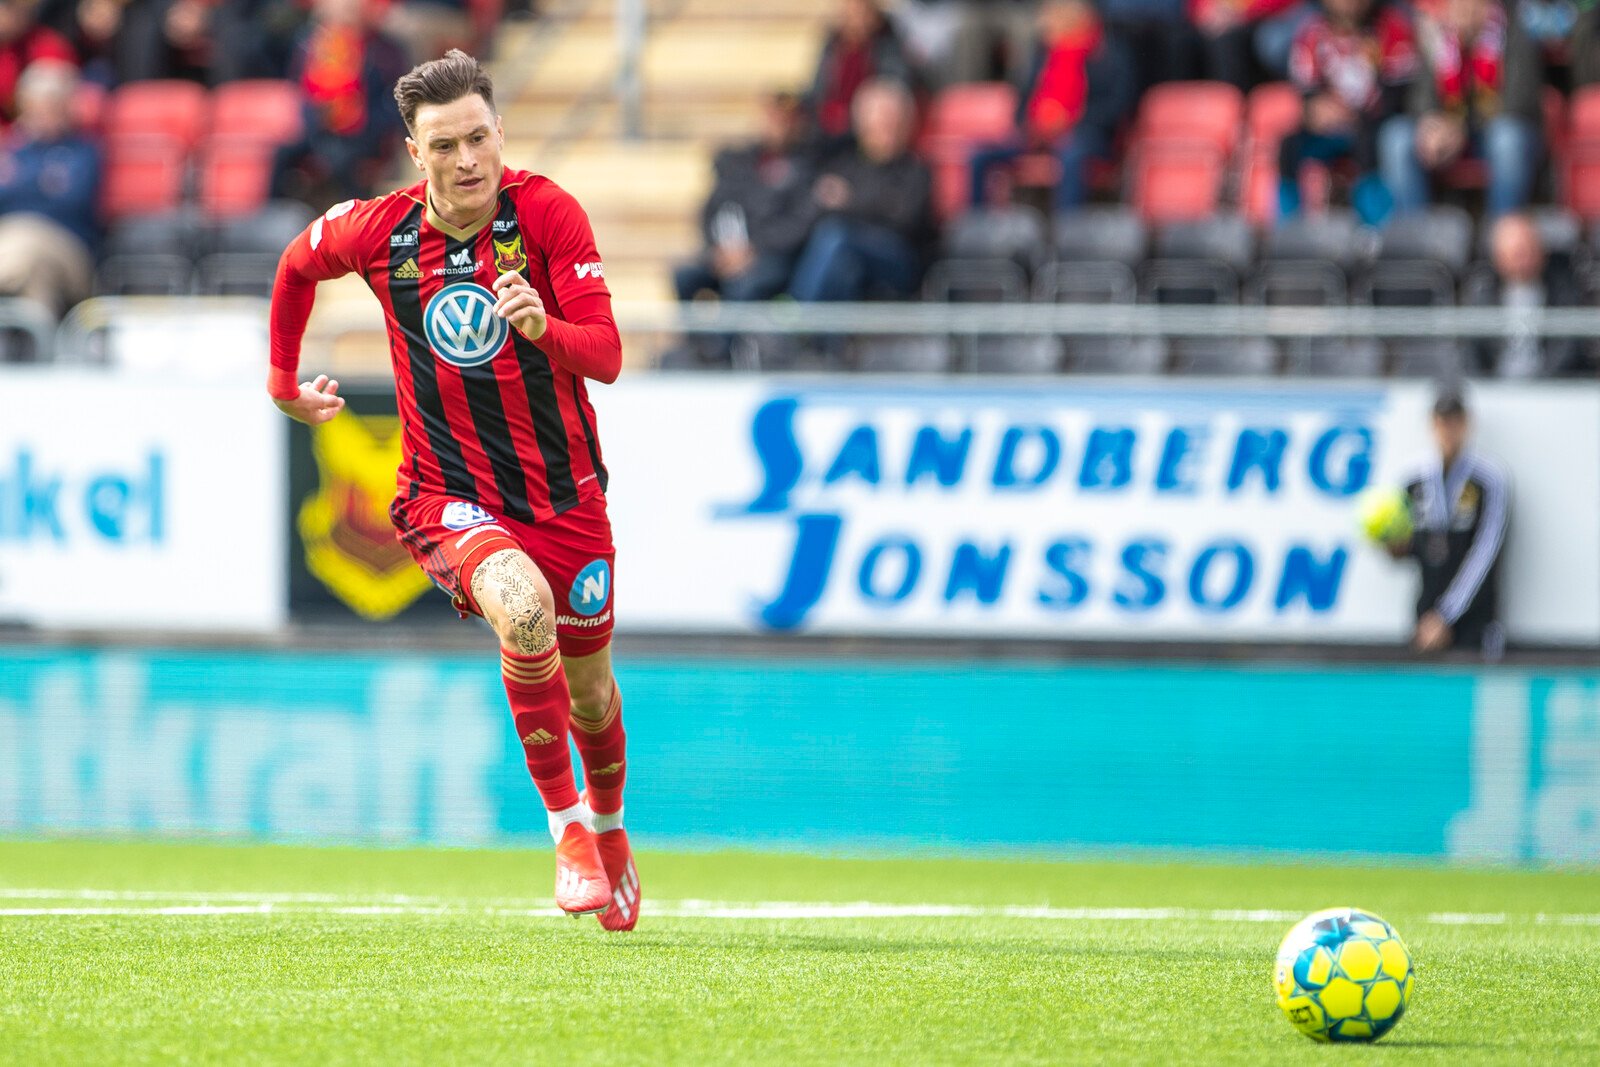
column 460, row 515
column 591, row 589
column 461, row 325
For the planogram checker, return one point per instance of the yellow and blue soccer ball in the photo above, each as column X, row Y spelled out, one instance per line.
column 1343, row 975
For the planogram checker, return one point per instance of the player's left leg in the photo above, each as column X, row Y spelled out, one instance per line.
column 602, row 743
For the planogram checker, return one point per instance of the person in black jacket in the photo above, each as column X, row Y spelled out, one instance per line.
column 1525, row 280
column 1460, row 504
column 862, row 46
column 1081, row 86
column 872, row 204
column 757, row 215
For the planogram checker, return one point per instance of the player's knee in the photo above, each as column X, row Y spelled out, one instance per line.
column 591, row 698
column 519, row 607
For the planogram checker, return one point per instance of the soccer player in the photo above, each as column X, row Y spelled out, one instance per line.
column 497, row 310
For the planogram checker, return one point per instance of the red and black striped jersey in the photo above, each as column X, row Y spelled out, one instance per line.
column 487, row 416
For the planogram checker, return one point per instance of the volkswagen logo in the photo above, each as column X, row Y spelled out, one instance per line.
column 462, row 326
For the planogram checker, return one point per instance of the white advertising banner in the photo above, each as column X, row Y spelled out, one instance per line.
column 1070, row 508
column 134, row 499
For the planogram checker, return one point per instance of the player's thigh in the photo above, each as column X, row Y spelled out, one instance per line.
column 576, row 553
column 514, row 595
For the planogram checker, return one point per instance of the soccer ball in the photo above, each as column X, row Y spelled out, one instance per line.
column 1385, row 516
column 1343, row 975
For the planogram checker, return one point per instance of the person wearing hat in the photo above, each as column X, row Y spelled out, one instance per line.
column 1459, row 500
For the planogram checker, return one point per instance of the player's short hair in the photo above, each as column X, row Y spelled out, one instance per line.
column 442, row 81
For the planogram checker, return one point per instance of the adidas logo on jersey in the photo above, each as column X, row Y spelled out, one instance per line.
column 408, row 269
column 540, row 736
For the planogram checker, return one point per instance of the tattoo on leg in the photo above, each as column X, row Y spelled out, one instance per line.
column 530, row 625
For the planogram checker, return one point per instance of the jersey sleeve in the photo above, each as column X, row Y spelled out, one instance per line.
column 585, row 339
column 334, row 245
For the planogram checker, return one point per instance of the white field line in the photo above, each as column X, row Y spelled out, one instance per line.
column 176, row 903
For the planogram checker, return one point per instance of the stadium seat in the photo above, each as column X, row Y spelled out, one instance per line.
column 1204, row 112
column 1297, row 283
column 169, row 108
column 1415, row 283
column 1335, row 236
column 1227, row 238
column 144, row 274
column 1089, row 281
column 1441, row 233
column 1093, row 233
column 902, row 355
column 960, row 118
column 1175, row 181
column 144, row 175
column 264, row 108
column 267, row 231
column 1272, row 112
column 1014, row 233
column 993, row 280
column 1581, row 173
column 174, row 233
column 235, row 175
column 236, row 274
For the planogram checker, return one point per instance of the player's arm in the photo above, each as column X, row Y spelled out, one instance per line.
column 585, row 341
column 321, row 252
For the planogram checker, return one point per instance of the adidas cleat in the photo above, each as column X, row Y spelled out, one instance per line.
column 623, row 913
column 581, row 885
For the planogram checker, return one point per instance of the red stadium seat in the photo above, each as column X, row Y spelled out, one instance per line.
column 1272, row 113
column 1192, row 111
column 266, row 109
column 1583, row 114
column 235, row 175
column 1579, row 157
column 173, row 109
column 960, row 118
column 143, row 175
column 1177, row 181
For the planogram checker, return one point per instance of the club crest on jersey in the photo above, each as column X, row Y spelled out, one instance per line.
column 461, row 325
column 591, row 589
column 508, row 254
column 460, row 515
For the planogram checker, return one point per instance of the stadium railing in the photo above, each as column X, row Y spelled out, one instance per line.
column 27, row 332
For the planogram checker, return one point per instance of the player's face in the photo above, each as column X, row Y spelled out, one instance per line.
column 457, row 145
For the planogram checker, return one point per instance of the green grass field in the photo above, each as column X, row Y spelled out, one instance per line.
column 178, row 953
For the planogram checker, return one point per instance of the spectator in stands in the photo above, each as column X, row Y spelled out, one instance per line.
column 49, row 183
column 1165, row 44
column 1477, row 95
column 873, row 205
column 1526, row 279
column 430, row 28
column 256, row 38
column 186, row 28
column 1353, row 63
column 862, row 46
column 758, row 213
column 1079, row 91
column 23, row 41
column 1246, row 42
column 1549, row 25
column 1584, row 48
column 346, row 70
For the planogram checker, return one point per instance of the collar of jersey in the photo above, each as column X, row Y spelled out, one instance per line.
column 458, row 232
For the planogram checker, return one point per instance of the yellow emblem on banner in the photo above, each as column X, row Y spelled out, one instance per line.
column 350, row 544
column 508, row 255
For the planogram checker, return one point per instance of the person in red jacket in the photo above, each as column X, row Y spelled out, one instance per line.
column 497, row 311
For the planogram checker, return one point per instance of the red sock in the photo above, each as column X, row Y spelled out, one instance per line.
column 540, row 704
column 603, row 747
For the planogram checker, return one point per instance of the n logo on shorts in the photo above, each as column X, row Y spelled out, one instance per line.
column 591, row 589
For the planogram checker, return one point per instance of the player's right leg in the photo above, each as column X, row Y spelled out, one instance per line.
column 514, row 597
column 474, row 558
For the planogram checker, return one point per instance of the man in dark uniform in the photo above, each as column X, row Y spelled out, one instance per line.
column 1460, row 500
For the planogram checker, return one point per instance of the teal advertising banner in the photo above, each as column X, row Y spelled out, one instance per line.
column 1498, row 764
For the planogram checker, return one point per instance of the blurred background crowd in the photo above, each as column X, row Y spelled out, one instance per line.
column 1288, row 152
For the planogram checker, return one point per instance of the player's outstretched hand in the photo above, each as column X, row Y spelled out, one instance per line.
column 518, row 303
column 318, row 402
